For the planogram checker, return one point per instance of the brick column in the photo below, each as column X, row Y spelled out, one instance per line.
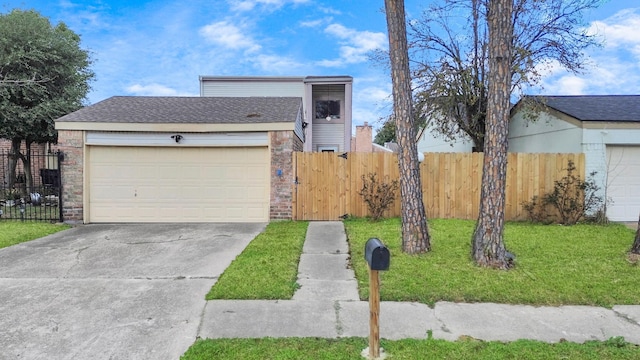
column 282, row 146
column 71, row 144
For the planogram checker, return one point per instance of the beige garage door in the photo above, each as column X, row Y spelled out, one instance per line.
column 160, row 184
column 623, row 179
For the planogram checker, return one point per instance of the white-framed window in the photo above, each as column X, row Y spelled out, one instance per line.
column 328, row 109
column 327, row 148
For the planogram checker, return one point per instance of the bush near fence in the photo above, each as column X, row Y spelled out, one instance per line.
column 327, row 184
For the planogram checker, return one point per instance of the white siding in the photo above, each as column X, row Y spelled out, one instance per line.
column 253, row 88
column 546, row 135
column 431, row 141
column 328, row 135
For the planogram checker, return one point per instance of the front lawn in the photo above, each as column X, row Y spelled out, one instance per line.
column 350, row 348
column 15, row 232
column 555, row 265
column 268, row 266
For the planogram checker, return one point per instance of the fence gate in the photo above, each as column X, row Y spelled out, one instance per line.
column 328, row 184
column 31, row 187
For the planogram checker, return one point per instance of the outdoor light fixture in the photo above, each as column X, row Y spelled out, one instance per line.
column 176, row 137
column 305, row 124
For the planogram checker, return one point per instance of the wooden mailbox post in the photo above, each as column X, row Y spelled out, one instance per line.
column 378, row 258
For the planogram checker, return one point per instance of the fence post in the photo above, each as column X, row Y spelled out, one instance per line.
column 60, row 207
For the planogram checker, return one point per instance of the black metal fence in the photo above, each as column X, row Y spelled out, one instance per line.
column 31, row 187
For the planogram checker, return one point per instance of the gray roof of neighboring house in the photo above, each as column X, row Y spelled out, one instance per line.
column 189, row 110
column 624, row 108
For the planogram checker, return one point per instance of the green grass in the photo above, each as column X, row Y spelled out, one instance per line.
column 350, row 348
column 267, row 268
column 555, row 265
column 14, row 232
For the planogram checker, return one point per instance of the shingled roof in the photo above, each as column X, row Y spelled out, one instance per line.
column 189, row 110
column 622, row 108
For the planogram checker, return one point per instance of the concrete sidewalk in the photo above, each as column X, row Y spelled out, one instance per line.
column 327, row 305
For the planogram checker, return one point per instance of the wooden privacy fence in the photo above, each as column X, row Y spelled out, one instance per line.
column 327, row 184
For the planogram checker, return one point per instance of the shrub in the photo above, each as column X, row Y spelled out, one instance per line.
column 378, row 195
column 536, row 210
column 572, row 197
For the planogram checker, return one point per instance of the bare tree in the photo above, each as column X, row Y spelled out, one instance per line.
column 415, row 234
column 449, row 48
column 487, row 243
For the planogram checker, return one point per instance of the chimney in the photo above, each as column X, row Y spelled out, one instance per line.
column 364, row 140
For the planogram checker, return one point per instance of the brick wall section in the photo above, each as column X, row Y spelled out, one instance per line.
column 5, row 145
column 37, row 162
column 282, row 146
column 71, row 143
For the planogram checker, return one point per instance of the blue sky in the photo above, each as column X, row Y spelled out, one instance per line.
column 155, row 47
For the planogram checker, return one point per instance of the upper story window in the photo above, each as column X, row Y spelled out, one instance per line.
column 328, row 109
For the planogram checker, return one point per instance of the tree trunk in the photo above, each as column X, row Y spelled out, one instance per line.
column 13, row 162
column 635, row 248
column 415, row 233
column 487, row 245
column 26, row 165
column 478, row 144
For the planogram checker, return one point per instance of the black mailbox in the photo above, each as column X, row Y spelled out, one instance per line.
column 376, row 254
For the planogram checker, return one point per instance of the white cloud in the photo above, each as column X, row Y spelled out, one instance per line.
column 376, row 94
column 372, row 100
column 312, row 23
column 355, row 45
column 330, row 10
column 612, row 69
column 620, row 29
column 228, row 35
column 248, row 5
column 568, row 85
column 276, row 64
column 154, row 90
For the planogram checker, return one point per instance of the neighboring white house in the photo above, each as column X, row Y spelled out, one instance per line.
column 429, row 140
column 327, row 103
column 605, row 128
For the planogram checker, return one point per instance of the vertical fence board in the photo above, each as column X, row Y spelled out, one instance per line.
column 328, row 185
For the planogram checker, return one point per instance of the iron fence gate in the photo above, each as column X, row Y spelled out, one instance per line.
column 31, row 187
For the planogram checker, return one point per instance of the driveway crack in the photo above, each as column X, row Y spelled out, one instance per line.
column 78, row 254
column 180, row 238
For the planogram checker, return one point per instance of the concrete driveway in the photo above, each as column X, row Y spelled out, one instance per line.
column 112, row 291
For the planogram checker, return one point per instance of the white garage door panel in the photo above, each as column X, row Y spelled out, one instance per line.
column 623, row 179
column 156, row 184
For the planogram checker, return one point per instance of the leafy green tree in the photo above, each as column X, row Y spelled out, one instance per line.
column 44, row 74
column 386, row 133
